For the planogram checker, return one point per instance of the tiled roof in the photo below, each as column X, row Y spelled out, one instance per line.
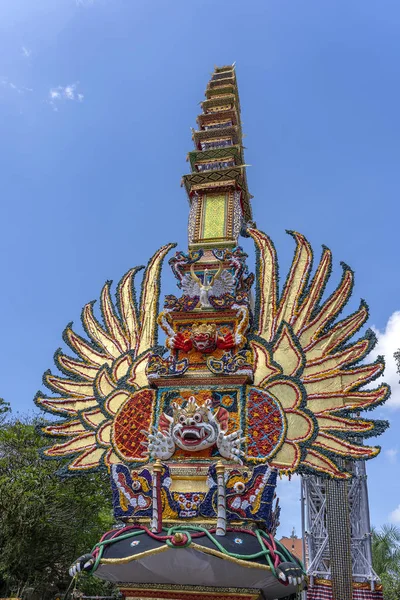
column 294, row 545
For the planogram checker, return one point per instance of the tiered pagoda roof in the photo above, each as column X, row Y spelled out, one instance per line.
column 217, row 162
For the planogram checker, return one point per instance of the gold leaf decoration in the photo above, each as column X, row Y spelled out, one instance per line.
column 90, row 393
column 319, row 385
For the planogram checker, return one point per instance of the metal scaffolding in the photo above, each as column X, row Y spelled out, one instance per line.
column 315, row 532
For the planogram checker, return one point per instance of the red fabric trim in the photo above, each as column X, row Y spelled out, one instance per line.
column 324, row 592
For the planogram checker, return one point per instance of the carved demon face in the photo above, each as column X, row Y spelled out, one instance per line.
column 193, row 427
column 204, row 337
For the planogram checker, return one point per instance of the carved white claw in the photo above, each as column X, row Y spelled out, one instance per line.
column 83, row 563
column 229, row 445
column 160, row 444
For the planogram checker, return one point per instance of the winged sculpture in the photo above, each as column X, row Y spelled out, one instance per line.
column 212, row 285
column 306, row 370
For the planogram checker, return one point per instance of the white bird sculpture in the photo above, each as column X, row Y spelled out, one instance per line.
column 212, row 285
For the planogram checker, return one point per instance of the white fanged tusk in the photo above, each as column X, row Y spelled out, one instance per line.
column 195, row 432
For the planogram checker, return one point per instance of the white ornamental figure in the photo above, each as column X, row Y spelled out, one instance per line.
column 193, row 428
column 216, row 285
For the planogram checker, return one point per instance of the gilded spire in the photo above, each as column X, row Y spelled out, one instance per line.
column 217, row 186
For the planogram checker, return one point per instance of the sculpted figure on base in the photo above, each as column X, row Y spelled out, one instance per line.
column 194, row 428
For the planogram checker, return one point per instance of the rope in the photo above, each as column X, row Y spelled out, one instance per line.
column 268, row 546
column 73, row 582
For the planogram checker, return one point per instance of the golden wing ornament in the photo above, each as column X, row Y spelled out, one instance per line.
column 104, row 387
column 301, row 409
column 307, row 370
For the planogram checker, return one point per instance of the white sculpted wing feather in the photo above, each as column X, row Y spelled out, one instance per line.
column 190, row 286
column 225, row 284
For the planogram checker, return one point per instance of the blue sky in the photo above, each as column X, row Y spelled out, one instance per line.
column 96, row 101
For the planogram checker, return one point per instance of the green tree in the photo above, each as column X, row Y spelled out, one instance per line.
column 391, row 587
column 386, row 550
column 5, row 411
column 386, row 559
column 397, row 359
column 45, row 521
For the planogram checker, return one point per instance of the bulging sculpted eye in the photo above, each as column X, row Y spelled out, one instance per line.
column 181, row 419
column 197, row 418
column 239, row 487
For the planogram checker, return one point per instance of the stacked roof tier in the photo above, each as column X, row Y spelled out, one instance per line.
column 217, row 186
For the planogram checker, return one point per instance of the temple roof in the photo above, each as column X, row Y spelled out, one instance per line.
column 218, row 160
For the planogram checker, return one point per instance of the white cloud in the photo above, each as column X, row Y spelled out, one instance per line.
column 69, row 92
column 62, row 93
column 388, row 344
column 395, row 515
column 26, row 52
column 391, row 455
column 5, row 83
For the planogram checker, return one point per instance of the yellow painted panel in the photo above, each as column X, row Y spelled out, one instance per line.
column 214, row 216
column 189, row 484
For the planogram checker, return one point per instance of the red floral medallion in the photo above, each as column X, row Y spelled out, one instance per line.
column 133, row 417
column 265, row 424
